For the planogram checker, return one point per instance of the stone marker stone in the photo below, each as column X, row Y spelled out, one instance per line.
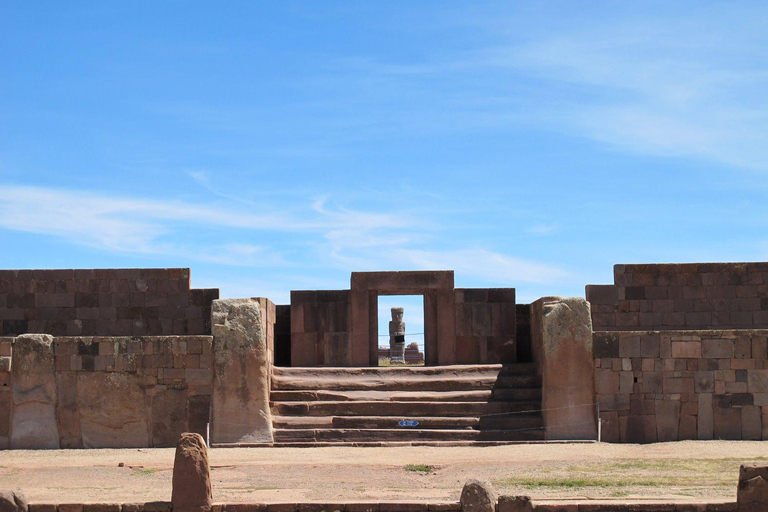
column 515, row 504
column 33, row 424
column 561, row 341
column 397, row 337
column 13, row 501
column 240, row 402
column 752, row 494
column 191, row 476
column 478, row 496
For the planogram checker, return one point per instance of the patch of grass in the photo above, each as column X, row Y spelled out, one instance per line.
column 144, row 471
column 419, row 468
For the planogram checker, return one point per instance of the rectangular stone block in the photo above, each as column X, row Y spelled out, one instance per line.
column 606, row 382
column 717, row 348
column 751, row 423
column 706, row 417
column 686, row 349
column 757, row 381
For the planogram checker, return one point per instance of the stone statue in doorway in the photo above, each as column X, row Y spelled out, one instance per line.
column 397, row 337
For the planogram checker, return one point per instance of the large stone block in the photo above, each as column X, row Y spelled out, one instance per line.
column 192, row 490
column 478, row 496
column 240, row 402
column 561, row 334
column 667, row 420
column 169, row 416
column 13, row 501
column 33, row 424
column 112, row 410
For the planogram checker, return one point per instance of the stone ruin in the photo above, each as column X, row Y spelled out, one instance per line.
column 135, row 357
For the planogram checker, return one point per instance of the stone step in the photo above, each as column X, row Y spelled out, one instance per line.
column 395, row 435
column 404, row 409
column 507, row 422
column 423, row 383
column 483, row 395
column 393, row 371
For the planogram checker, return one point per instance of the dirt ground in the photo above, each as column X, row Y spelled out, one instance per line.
column 681, row 471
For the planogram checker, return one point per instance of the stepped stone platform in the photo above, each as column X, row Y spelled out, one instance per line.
column 438, row 405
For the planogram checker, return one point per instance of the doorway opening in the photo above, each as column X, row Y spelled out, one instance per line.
column 405, row 345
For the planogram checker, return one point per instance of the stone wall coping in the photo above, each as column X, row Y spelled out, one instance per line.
column 684, row 332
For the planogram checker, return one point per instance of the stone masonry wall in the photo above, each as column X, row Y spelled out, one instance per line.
column 103, row 302
column 320, row 328
column 485, row 325
column 667, row 386
column 122, row 391
column 682, row 296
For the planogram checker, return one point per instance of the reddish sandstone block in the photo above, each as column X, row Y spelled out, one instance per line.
column 686, row 349
column 101, row 507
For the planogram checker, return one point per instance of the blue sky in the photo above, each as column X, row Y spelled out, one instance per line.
column 272, row 146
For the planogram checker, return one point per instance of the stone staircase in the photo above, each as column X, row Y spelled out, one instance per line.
column 438, row 405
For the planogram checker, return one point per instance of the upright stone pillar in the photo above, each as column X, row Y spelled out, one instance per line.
column 478, row 496
column 752, row 493
column 561, row 339
column 191, row 476
column 33, row 373
column 240, row 402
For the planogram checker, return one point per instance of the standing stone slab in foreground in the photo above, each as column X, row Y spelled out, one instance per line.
column 240, row 403
column 191, row 476
column 33, row 424
column 478, row 496
column 13, row 501
column 561, row 339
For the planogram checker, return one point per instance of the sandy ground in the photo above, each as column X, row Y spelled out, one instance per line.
column 681, row 471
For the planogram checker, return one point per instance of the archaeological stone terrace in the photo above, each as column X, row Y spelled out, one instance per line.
column 135, row 357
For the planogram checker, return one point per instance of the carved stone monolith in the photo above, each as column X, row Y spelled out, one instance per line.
column 191, row 475
column 33, row 424
column 240, row 401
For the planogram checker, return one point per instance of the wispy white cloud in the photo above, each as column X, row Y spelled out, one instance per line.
column 542, row 229
column 338, row 236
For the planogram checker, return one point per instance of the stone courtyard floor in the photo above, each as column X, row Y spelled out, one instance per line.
column 682, row 471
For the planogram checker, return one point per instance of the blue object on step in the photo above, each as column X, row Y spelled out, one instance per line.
column 408, row 423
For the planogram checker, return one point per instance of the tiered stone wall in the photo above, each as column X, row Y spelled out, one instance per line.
column 320, row 328
column 106, row 392
column 682, row 296
column 485, row 325
column 103, row 302
column 667, row 386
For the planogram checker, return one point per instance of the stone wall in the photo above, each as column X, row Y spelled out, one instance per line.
column 682, row 296
column 320, row 328
column 667, row 386
column 485, row 325
column 106, row 391
column 103, row 302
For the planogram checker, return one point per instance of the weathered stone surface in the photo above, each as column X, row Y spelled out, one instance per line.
column 191, row 476
column 13, row 501
column 169, row 416
column 561, row 339
column 240, row 402
column 749, row 471
column 33, row 424
column 515, row 504
column 112, row 410
column 752, row 495
column 478, row 496
column 667, row 420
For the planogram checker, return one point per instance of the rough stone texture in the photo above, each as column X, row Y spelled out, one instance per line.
column 103, row 302
column 562, row 350
column 661, row 377
column 112, row 410
column 515, row 504
column 240, row 402
column 192, row 490
column 320, row 328
column 13, row 501
column 752, row 494
column 478, row 496
column 33, row 424
column 681, row 296
column 169, row 416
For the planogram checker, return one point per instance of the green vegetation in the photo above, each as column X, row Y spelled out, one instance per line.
column 419, row 468
column 144, row 471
